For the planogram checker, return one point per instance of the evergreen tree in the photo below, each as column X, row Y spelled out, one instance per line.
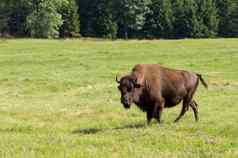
column 228, row 10
column 224, row 13
column 208, row 18
column 97, row 19
column 233, row 27
column 45, row 21
column 70, row 17
column 185, row 22
column 104, row 24
column 86, row 12
column 4, row 17
column 159, row 20
column 131, row 16
column 17, row 18
column 13, row 15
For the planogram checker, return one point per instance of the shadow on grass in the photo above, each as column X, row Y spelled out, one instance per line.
column 17, row 130
column 87, row 131
column 128, row 126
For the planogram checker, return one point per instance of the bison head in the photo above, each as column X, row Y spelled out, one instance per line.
column 127, row 86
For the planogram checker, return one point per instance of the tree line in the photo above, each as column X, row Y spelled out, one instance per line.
column 119, row 18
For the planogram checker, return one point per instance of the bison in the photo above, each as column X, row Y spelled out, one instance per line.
column 153, row 87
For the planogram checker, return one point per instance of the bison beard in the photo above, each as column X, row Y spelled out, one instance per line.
column 153, row 87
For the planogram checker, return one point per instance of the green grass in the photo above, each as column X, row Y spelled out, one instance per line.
column 58, row 98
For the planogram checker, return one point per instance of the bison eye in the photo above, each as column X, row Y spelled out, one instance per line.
column 129, row 89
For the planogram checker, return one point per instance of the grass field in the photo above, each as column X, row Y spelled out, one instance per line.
column 58, row 98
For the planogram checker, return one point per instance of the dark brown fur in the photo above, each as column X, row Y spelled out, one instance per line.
column 153, row 87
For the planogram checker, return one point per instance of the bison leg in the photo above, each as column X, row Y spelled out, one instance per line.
column 183, row 111
column 158, row 109
column 195, row 103
column 194, row 106
column 149, row 116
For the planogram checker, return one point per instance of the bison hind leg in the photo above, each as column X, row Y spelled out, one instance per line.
column 185, row 108
column 194, row 106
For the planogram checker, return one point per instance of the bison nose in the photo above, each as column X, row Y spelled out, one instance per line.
column 125, row 100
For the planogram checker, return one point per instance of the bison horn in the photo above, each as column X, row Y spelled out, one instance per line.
column 117, row 80
column 134, row 81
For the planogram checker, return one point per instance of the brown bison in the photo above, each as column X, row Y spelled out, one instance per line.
column 153, row 87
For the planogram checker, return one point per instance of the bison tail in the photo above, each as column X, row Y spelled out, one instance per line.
column 202, row 80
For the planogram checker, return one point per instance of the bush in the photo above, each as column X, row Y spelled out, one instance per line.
column 45, row 21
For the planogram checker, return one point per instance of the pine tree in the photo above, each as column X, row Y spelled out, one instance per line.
column 87, row 16
column 17, row 18
column 159, row 20
column 208, row 18
column 70, row 17
column 4, row 17
column 97, row 18
column 103, row 22
column 228, row 11
column 45, row 21
column 13, row 17
column 224, row 11
column 131, row 16
column 233, row 27
column 185, row 19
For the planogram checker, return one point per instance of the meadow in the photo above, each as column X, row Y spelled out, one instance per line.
column 59, row 99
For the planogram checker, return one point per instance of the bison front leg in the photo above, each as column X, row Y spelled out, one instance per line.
column 158, row 109
column 149, row 116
